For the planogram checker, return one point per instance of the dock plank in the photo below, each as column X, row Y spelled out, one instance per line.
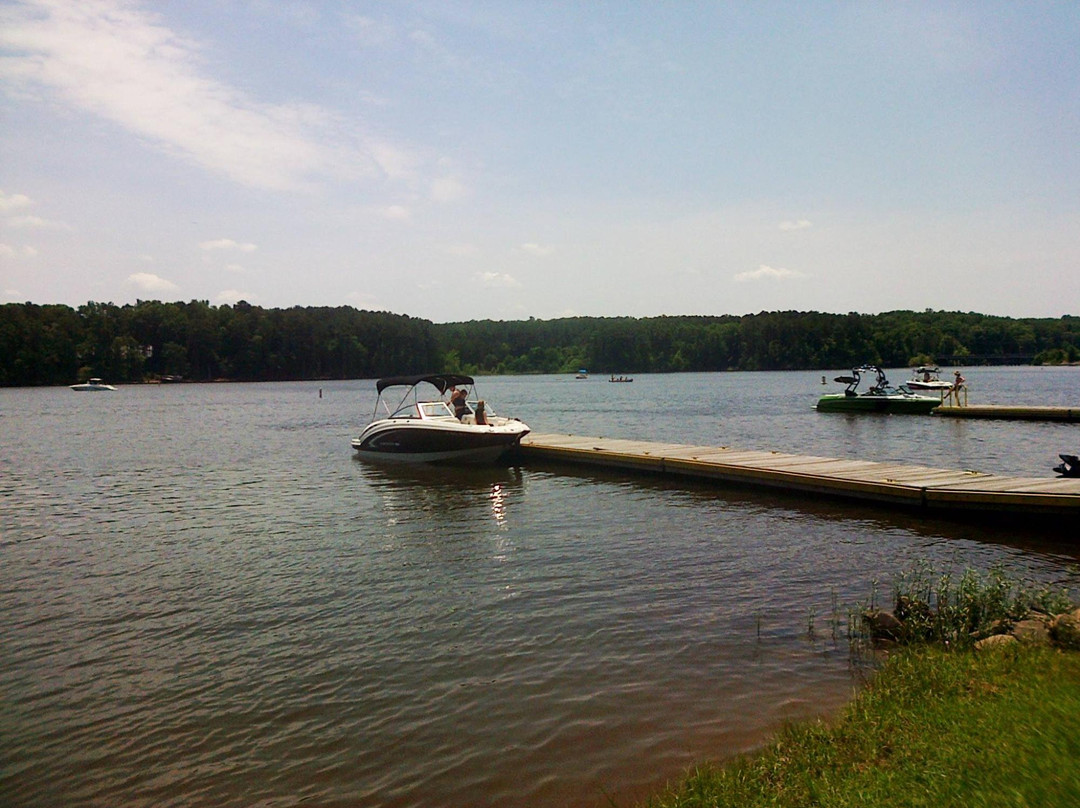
column 925, row 487
column 1011, row 413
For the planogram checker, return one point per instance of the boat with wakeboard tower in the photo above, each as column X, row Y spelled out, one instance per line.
column 92, row 386
column 423, row 428
column 879, row 397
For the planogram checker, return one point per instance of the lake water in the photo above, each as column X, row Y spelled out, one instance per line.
column 208, row 601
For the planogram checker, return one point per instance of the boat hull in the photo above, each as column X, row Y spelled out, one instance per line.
column 899, row 405
column 403, row 441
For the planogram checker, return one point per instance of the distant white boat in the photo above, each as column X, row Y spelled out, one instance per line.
column 93, row 385
column 926, row 378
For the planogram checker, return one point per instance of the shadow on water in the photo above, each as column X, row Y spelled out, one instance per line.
column 1049, row 537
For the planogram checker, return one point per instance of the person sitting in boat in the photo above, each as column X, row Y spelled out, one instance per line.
column 481, row 418
column 457, row 401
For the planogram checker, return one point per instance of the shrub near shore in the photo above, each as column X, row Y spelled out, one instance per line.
column 939, row 724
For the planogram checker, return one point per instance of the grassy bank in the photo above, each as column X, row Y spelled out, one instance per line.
column 941, row 724
column 935, row 728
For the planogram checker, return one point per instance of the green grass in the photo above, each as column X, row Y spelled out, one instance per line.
column 935, row 727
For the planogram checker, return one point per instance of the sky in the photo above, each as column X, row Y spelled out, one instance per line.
column 506, row 160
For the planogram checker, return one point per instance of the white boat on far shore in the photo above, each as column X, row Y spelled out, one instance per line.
column 94, row 385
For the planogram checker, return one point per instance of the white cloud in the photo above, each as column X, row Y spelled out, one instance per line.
column 369, row 32
column 235, row 268
column 361, row 300
column 115, row 60
column 149, row 282
column 230, row 297
column 539, row 250
column 497, row 280
column 800, row 224
column 447, row 189
column 397, row 213
column 35, row 222
column 422, row 38
column 764, row 272
column 392, row 160
column 226, row 244
column 13, row 202
column 26, row 251
column 462, row 250
column 25, row 221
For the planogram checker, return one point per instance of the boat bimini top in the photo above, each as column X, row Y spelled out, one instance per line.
column 410, row 400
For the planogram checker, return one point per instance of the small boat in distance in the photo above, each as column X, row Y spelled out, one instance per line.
column 582, row 374
column 621, row 379
column 422, row 427
column 94, row 385
column 925, row 377
column 881, row 397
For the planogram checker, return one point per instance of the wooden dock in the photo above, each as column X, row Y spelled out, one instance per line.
column 1069, row 414
column 917, row 487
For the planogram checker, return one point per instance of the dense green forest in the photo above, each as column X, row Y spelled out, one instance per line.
column 56, row 344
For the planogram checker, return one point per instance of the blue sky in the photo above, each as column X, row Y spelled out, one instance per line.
column 506, row 160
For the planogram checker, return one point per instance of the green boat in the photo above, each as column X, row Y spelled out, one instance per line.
column 881, row 397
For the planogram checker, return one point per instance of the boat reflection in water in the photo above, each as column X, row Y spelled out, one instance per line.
column 422, row 427
column 469, row 495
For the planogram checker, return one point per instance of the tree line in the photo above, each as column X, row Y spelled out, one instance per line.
column 57, row 344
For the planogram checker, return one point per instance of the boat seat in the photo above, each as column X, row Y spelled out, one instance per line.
column 468, row 418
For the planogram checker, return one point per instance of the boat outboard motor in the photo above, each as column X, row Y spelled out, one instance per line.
column 1070, row 467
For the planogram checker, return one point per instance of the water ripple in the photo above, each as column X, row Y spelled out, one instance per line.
column 218, row 607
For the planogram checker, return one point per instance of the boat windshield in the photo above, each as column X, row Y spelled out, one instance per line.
column 435, row 409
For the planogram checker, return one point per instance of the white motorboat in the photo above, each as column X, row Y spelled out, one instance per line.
column 927, row 378
column 93, row 385
column 423, row 428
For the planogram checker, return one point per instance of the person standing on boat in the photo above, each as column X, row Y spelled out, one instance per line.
column 457, row 401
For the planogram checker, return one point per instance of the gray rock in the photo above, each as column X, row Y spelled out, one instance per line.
column 1065, row 630
column 883, row 625
column 996, row 641
column 1032, row 631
